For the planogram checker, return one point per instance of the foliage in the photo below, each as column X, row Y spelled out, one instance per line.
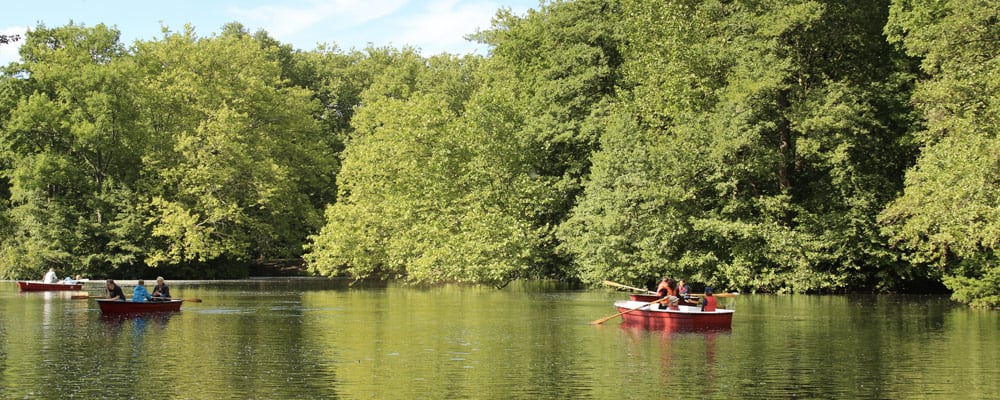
column 179, row 151
column 742, row 155
column 947, row 218
column 771, row 145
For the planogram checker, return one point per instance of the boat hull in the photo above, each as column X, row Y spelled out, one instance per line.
column 685, row 318
column 130, row 307
column 35, row 286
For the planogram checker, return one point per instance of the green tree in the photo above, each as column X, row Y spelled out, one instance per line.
column 72, row 149
column 947, row 218
column 559, row 68
column 236, row 144
column 753, row 150
column 397, row 212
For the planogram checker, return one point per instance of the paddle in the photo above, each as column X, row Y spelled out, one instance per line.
column 602, row 320
column 615, row 284
column 193, row 300
column 610, row 283
column 714, row 294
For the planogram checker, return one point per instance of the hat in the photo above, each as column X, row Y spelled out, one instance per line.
column 708, row 289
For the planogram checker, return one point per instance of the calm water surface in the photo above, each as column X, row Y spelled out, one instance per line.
column 324, row 339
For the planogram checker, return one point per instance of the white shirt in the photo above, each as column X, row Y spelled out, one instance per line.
column 50, row 277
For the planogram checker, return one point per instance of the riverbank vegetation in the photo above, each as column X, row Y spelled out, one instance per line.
column 773, row 146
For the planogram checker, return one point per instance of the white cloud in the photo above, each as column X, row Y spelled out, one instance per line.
column 8, row 52
column 442, row 25
column 433, row 26
column 286, row 21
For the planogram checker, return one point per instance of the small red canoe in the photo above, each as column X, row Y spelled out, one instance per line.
column 131, row 307
column 37, row 286
column 685, row 318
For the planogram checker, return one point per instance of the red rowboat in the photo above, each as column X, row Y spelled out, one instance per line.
column 132, row 307
column 685, row 318
column 37, row 286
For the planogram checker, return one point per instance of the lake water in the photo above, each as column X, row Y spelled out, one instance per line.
column 326, row 339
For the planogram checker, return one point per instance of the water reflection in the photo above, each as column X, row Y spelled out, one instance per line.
column 326, row 339
column 158, row 320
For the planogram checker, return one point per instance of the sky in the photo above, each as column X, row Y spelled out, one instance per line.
column 432, row 26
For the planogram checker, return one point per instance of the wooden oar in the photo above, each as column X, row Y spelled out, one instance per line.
column 602, row 320
column 191, row 300
column 610, row 283
column 714, row 294
column 615, row 284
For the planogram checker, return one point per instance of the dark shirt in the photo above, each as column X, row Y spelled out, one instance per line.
column 161, row 291
column 116, row 291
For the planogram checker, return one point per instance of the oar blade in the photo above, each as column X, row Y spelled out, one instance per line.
column 193, row 300
column 605, row 319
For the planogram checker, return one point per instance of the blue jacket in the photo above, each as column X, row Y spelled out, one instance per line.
column 140, row 294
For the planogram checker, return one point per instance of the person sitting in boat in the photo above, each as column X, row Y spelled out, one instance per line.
column 667, row 290
column 68, row 280
column 708, row 302
column 114, row 291
column 684, row 293
column 50, row 277
column 139, row 293
column 161, row 291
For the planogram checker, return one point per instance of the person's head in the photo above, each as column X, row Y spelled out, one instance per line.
column 110, row 283
column 141, row 282
column 159, row 280
column 680, row 282
column 708, row 291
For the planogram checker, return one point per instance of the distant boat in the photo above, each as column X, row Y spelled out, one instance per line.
column 643, row 297
column 38, row 286
column 132, row 307
column 684, row 318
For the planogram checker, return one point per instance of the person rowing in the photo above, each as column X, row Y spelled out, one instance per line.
column 667, row 289
column 114, row 291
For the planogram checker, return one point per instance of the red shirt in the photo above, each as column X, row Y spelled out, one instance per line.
column 708, row 304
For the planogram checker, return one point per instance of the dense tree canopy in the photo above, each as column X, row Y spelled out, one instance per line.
column 776, row 145
column 948, row 218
